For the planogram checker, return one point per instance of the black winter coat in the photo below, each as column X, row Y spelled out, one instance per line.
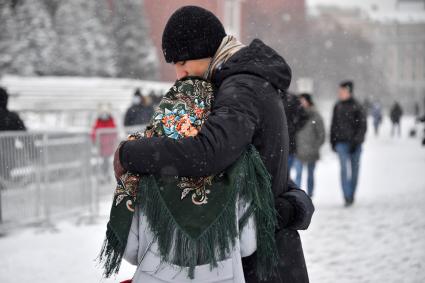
column 396, row 113
column 296, row 116
column 349, row 123
column 138, row 115
column 247, row 110
column 10, row 121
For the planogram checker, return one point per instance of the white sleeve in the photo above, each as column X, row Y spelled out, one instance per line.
column 132, row 249
column 248, row 235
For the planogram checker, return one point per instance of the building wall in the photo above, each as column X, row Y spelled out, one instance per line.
column 245, row 19
column 266, row 19
column 400, row 48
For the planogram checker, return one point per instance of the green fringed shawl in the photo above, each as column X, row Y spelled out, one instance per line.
column 194, row 220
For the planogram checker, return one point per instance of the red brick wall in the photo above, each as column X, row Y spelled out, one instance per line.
column 262, row 15
column 263, row 19
column 158, row 12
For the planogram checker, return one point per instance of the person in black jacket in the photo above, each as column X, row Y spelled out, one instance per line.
column 247, row 109
column 348, row 131
column 395, row 116
column 140, row 112
column 9, row 121
column 296, row 117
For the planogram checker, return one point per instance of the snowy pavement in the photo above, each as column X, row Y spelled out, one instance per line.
column 380, row 239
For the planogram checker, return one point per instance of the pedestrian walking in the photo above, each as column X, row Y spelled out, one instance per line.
column 9, row 121
column 348, row 129
column 396, row 113
column 247, row 110
column 140, row 112
column 376, row 116
column 296, row 117
column 104, row 137
column 309, row 139
column 422, row 120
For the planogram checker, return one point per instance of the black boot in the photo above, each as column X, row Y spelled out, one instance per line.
column 349, row 202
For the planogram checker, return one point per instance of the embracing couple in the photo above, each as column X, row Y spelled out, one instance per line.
column 203, row 193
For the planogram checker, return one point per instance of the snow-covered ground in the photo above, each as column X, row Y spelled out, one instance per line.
column 380, row 239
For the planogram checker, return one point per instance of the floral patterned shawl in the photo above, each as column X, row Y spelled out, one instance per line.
column 193, row 218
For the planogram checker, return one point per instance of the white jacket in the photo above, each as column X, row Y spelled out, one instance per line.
column 142, row 251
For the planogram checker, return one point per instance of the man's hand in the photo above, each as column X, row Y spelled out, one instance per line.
column 118, row 169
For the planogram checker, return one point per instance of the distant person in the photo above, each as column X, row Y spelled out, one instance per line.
column 140, row 112
column 309, row 139
column 296, row 117
column 367, row 105
column 154, row 98
column 348, row 131
column 9, row 121
column 104, row 136
column 396, row 113
column 422, row 120
column 377, row 117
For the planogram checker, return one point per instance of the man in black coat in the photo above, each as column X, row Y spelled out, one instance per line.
column 9, row 121
column 395, row 116
column 140, row 112
column 348, row 131
column 296, row 117
column 247, row 109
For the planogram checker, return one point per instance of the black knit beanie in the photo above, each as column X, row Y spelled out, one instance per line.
column 191, row 33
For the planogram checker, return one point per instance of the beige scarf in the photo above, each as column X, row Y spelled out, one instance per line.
column 228, row 47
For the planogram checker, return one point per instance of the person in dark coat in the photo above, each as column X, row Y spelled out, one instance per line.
column 140, row 112
column 422, row 120
column 247, row 109
column 348, row 131
column 376, row 116
column 395, row 116
column 296, row 116
column 9, row 121
column 309, row 140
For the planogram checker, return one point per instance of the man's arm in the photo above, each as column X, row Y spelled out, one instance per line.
column 361, row 126
column 222, row 139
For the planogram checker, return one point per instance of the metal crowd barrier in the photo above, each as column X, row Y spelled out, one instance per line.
column 45, row 176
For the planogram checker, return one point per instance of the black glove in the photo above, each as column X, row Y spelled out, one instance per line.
column 285, row 213
column 353, row 147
